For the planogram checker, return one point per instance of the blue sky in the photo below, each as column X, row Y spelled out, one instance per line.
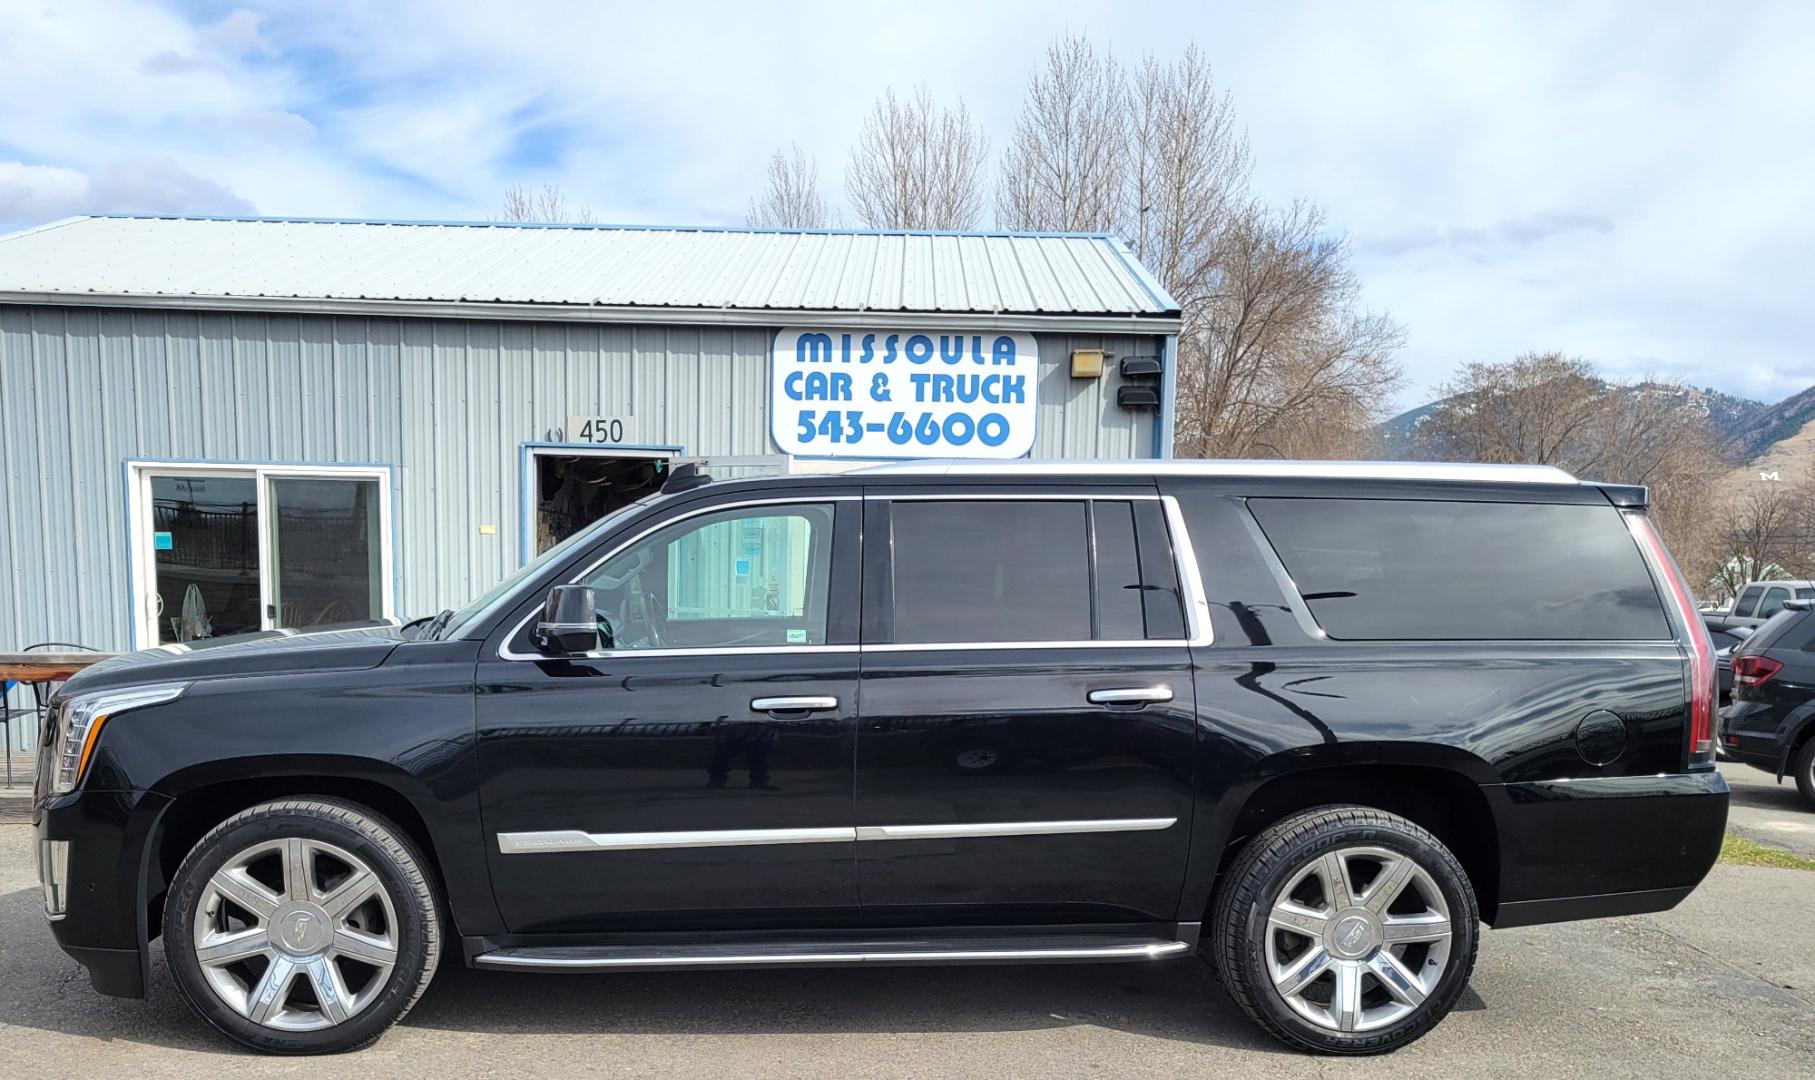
column 1631, row 183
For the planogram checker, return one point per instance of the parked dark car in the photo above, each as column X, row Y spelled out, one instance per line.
column 1771, row 723
column 1725, row 640
column 1315, row 721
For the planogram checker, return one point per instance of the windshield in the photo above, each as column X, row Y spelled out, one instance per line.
column 472, row 614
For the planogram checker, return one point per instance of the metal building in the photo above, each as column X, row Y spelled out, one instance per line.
column 215, row 425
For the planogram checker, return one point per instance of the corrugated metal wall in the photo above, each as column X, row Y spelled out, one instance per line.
column 448, row 403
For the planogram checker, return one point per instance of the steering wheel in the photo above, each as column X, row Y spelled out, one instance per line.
column 638, row 614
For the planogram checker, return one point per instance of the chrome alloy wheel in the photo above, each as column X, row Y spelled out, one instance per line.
column 294, row 934
column 1358, row 939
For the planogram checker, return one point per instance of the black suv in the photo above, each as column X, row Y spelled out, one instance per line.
column 1771, row 723
column 1315, row 722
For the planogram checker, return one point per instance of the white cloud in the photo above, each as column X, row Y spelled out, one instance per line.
column 31, row 194
column 1638, row 188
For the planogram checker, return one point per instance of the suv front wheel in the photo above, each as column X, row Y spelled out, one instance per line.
column 302, row 926
column 1345, row 930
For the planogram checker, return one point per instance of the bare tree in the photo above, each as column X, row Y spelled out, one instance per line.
column 549, row 204
column 1066, row 166
column 1540, row 409
column 917, row 165
column 1767, row 534
column 792, row 199
column 1275, row 359
column 1549, row 409
column 1187, row 173
column 1276, row 356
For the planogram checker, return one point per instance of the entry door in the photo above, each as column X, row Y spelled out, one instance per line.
column 221, row 550
column 695, row 768
column 1027, row 731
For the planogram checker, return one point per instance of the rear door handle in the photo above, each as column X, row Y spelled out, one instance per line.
column 1130, row 695
column 792, row 704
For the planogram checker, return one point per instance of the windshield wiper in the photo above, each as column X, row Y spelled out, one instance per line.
column 436, row 625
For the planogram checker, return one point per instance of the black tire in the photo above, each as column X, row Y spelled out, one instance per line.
column 402, row 874
column 1272, row 860
column 1805, row 770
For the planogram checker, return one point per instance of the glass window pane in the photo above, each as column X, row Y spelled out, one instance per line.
column 1774, row 598
column 325, row 547
column 205, row 556
column 740, row 578
column 1382, row 569
column 1747, row 600
column 990, row 571
column 1119, row 594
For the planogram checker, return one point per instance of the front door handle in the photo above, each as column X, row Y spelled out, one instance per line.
column 1130, row 695
column 792, row 704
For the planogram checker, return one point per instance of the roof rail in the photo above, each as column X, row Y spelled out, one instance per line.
column 1454, row 472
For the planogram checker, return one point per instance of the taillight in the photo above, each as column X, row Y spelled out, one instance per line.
column 1702, row 689
column 1752, row 670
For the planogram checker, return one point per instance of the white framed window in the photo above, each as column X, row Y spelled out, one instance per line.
column 224, row 548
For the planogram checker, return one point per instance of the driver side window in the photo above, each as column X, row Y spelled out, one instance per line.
column 753, row 576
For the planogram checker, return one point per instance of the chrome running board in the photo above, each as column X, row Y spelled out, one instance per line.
column 1017, row 949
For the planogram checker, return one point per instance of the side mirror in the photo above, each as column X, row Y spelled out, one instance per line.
column 569, row 622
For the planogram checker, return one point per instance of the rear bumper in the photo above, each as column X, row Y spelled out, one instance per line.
column 1753, row 736
column 1601, row 846
column 103, row 925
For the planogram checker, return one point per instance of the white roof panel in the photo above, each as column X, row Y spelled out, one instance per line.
column 97, row 258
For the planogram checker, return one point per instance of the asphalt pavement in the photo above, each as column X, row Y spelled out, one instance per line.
column 1725, row 984
column 1764, row 810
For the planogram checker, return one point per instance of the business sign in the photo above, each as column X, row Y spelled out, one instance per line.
column 891, row 394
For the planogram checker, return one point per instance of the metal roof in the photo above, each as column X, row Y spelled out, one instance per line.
column 1457, row 472
column 621, row 273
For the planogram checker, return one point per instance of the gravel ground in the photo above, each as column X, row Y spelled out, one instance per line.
column 1726, row 980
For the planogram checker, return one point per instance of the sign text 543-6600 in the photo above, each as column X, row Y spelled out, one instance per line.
column 836, row 393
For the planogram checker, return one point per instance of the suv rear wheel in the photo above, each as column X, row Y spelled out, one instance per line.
column 1805, row 770
column 1345, row 930
column 302, row 926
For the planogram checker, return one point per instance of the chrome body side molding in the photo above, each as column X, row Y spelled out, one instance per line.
column 1048, row 949
column 1009, row 828
column 568, row 840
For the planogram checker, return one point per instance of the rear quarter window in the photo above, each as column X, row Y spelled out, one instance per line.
column 1425, row 570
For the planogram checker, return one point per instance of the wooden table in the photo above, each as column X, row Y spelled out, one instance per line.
column 46, row 666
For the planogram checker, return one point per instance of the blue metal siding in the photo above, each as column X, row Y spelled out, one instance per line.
column 447, row 402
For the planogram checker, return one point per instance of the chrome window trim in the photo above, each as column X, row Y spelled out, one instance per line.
column 572, row 840
column 1196, row 604
column 505, row 652
column 973, row 646
column 1301, row 611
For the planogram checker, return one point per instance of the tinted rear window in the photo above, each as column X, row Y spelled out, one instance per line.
column 991, row 571
column 1395, row 569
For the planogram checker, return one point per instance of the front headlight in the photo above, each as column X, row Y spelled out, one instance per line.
column 78, row 723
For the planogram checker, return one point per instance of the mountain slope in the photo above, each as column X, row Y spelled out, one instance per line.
column 1743, row 426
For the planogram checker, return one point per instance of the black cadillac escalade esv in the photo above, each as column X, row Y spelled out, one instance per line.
column 1313, row 722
